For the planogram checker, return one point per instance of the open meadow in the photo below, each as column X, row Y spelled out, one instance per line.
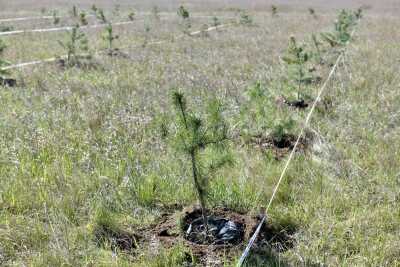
column 162, row 133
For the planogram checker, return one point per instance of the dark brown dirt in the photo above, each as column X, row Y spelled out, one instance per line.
column 8, row 82
column 280, row 147
column 117, row 54
column 299, row 104
column 170, row 231
column 84, row 63
column 117, row 239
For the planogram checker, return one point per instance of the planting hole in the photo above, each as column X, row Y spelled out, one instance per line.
column 221, row 229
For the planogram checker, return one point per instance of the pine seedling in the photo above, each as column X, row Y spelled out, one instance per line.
column 82, row 18
column 74, row 11
column 131, row 16
column 109, row 37
column 358, row 13
column 194, row 137
column 6, row 28
column 260, row 116
column 156, row 12
column 274, row 10
column 296, row 58
column 215, row 22
column 75, row 43
column 341, row 33
column 245, row 19
column 56, row 18
column 3, row 62
column 94, row 9
column 101, row 16
column 183, row 13
column 311, row 11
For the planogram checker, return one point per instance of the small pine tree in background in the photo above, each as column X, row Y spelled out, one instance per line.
column 109, row 37
column 56, row 18
column 215, row 22
column 74, row 44
column 43, row 11
column 94, row 9
column 131, row 15
column 296, row 58
column 183, row 13
column 245, row 19
column 342, row 31
column 261, row 117
column 274, row 10
column 82, row 18
column 194, row 137
column 74, row 11
column 358, row 13
column 311, row 11
column 156, row 13
column 3, row 62
column 101, row 16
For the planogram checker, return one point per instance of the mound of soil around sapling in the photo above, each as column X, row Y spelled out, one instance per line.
column 299, row 104
column 84, row 63
column 8, row 82
column 116, row 238
column 219, row 229
column 117, row 53
column 227, row 235
column 279, row 146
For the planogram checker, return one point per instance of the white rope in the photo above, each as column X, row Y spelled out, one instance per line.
column 292, row 153
column 37, row 62
column 25, row 18
column 66, row 28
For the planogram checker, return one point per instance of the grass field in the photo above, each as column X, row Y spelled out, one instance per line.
column 86, row 154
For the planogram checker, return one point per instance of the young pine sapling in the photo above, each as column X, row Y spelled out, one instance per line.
column 215, row 22
column 131, row 15
column 101, row 16
column 261, row 117
column 156, row 13
column 110, row 37
column 245, row 19
column 194, row 137
column 183, row 13
column 74, row 11
column 274, row 10
column 94, row 9
column 342, row 30
column 296, row 59
column 56, row 18
column 311, row 11
column 3, row 62
column 75, row 43
column 82, row 19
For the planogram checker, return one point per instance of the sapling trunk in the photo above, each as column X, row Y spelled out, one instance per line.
column 200, row 191
column 195, row 173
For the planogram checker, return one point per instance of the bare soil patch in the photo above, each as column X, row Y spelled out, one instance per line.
column 172, row 229
column 280, row 146
column 8, row 82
